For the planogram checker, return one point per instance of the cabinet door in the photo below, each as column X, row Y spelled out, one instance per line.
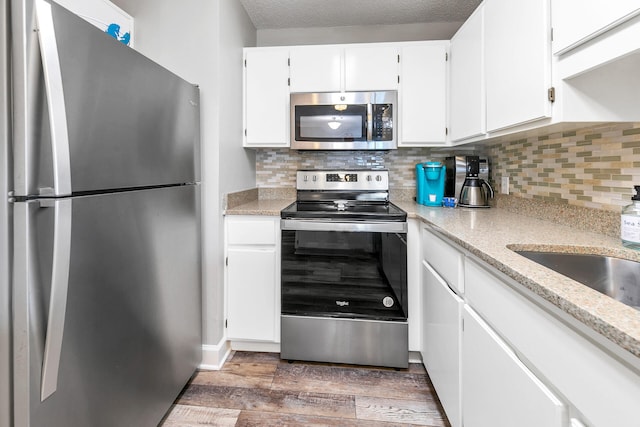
column 371, row 68
column 442, row 327
column 577, row 21
column 423, row 95
column 316, row 69
column 251, row 301
column 468, row 112
column 517, row 60
column 498, row 390
column 266, row 98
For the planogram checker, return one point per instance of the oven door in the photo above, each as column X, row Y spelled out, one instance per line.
column 345, row 270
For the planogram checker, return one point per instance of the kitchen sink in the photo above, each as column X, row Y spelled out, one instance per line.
column 614, row 277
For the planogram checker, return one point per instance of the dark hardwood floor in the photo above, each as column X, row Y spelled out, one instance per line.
column 259, row 389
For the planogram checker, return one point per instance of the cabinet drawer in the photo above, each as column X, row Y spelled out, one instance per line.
column 444, row 258
column 604, row 390
column 251, row 231
column 441, row 335
column 498, row 390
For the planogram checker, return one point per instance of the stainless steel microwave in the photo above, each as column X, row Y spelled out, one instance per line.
column 344, row 120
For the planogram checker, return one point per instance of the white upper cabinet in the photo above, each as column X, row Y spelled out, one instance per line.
column 335, row 68
column 423, row 94
column 266, row 97
column 518, row 61
column 467, row 114
column 578, row 21
column 371, row 68
column 316, row 69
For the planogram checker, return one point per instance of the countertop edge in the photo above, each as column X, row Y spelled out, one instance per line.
column 596, row 322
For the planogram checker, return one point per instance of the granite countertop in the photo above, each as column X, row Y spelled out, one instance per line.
column 267, row 207
column 491, row 234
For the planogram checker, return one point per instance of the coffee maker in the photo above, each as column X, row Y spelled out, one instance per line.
column 475, row 191
column 430, row 179
column 457, row 172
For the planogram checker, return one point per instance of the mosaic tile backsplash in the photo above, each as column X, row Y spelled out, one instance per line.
column 277, row 167
column 594, row 167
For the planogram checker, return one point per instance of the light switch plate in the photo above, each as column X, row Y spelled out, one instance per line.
column 504, row 186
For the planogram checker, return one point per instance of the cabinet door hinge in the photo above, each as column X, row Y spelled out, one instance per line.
column 446, row 56
column 398, row 58
column 245, row 63
column 245, row 132
column 398, row 79
column 226, row 260
column 551, row 94
column 289, row 62
column 446, row 131
column 288, row 81
column 226, row 323
column 551, row 33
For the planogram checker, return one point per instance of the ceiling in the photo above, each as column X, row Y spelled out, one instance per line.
column 278, row 14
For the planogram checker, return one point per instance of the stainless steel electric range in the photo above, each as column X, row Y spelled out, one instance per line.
column 344, row 271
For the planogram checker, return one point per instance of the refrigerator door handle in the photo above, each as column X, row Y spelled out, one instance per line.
column 58, row 298
column 55, row 99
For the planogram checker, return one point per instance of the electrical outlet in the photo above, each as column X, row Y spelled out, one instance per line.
column 504, row 187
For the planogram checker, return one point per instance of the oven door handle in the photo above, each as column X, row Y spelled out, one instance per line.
column 362, row 227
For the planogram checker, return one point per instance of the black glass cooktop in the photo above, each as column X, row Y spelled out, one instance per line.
column 348, row 211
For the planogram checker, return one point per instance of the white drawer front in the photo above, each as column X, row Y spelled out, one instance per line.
column 601, row 388
column 497, row 389
column 251, row 231
column 444, row 258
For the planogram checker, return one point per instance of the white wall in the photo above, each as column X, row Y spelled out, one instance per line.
column 201, row 41
column 358, row 34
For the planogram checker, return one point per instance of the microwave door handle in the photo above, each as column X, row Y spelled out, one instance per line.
column 369, row 122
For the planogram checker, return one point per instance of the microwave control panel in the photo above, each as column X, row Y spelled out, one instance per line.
column 382, row 122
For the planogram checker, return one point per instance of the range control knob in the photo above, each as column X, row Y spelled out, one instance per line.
column 369, row 178
column 315, row 178
column 378, row 178
column 306, row 178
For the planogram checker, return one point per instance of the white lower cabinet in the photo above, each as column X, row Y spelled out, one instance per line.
column 498, row 355
column 441, row 335
column 498, row 389
column 253, row 278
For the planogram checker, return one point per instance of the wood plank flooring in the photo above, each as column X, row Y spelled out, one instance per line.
column 259, row 389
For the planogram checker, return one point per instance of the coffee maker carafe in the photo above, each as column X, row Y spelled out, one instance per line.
column 475, row 191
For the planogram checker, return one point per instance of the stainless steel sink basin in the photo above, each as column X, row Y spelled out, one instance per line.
column 615, row 277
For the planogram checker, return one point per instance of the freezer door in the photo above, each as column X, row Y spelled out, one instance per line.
column 5, row 238
column 107, row 306
column 93, row 114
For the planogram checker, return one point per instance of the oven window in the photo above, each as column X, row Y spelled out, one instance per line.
column 331, row 122
column 359, row 275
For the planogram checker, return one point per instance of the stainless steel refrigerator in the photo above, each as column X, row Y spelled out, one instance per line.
column 100, row 289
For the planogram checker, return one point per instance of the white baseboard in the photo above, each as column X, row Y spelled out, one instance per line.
column 267, row 347
column 415, row 357
column 214, row 356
